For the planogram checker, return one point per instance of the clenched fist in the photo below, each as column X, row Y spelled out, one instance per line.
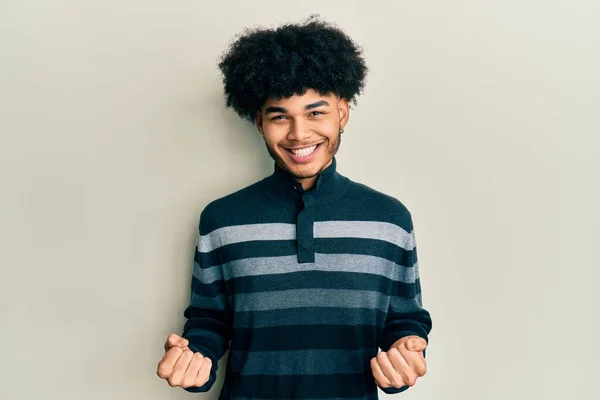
column 180, row 366
column 402, row 364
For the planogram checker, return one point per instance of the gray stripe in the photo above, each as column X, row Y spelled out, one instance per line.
column 244, row 233
column 207, row 275
column 323, row 229
column 323, row 262
column 364, row 230
column 283, row 299
column 303, row 362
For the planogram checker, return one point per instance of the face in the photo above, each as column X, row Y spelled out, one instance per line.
column 302, row 132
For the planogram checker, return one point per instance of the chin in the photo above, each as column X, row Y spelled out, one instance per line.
column 305, row 173
column 307, row 170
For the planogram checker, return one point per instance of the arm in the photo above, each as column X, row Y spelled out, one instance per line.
column 208, row 325
column 406, row 315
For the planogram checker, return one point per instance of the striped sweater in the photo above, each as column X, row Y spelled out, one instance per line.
column 303, row 287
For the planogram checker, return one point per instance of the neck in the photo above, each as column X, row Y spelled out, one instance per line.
column 326, row 186
column 310, row 182
column 307, row 183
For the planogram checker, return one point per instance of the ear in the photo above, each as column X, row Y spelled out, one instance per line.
column 344, row 112
column 258, row 120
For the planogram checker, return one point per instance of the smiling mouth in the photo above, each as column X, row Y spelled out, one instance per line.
column 304, row 151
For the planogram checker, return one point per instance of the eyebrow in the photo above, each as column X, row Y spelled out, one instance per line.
column 306, row 107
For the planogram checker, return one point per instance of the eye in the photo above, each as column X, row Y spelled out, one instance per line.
column 277, row 117
column 316, row 113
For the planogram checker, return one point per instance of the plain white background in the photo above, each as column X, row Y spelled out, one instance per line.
column 480, row 116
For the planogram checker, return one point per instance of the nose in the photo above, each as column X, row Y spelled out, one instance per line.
column 299, row 131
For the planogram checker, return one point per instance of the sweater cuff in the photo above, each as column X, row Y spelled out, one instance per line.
column 393, row 337
column 213, row 370
column 393, row 390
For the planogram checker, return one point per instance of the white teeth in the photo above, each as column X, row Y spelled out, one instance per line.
column 305, row 151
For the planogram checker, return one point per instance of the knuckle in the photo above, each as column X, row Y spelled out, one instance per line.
column 203, row 379
column 411, row 379
column 381, row 356
column 173, row 381
column 162, row 372
column 394, row 353
column 397, row 382
column 176, row 349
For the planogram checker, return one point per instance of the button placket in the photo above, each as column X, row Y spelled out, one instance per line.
column 304, row 229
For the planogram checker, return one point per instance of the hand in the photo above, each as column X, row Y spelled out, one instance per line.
column 402, row 364
column 180, row 366
column 176, row 340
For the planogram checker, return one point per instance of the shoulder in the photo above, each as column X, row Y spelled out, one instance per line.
column 377, row 204
column 224, row 210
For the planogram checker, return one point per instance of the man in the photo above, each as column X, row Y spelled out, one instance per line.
column 306, row 272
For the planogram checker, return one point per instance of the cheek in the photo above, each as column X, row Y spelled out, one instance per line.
column 276, row 130
column 331, row 132
column 329, row 128
column 273, row 140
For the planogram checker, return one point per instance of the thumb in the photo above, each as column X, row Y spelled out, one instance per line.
column 416, row 344
column 175, row 340
column 180, row 341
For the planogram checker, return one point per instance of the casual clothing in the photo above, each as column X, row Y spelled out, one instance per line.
column 306, row 285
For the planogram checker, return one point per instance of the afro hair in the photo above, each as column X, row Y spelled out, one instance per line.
column 279, row 63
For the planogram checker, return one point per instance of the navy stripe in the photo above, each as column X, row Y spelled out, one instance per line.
column 369, row 396
column 305, row 386
column 307, row 279
column 306, row 316
column 302, row 337
column 303, row 362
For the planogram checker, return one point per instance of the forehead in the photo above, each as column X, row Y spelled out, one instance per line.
column 299, row 101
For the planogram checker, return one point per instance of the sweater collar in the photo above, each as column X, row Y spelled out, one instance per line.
column 283, row 188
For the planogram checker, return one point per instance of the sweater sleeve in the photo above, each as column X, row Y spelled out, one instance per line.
column 209, row 316
column 406, row 315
